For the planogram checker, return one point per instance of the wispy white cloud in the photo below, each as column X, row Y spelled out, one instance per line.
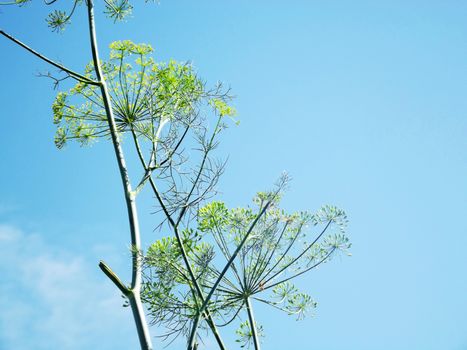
column 51, row 298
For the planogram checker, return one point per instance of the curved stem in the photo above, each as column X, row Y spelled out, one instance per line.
column 135, row 295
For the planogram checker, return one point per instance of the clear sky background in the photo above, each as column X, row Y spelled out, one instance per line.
column 362, row 102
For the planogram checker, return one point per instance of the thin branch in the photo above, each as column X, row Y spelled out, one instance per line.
column 73, row 74
column 224, row 271
column 114, row 278
column 298, row 257
column 301, row 272
column 273, row 250
column 181, row 246
column 201, row 168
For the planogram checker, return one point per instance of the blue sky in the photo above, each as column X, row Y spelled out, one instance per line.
column 362, row 102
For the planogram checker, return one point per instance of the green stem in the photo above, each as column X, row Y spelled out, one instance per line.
column 193, row 332
column 114, row 278
column 71, row 73
column 135, row 295
column 251, row 317
column 174, row 226
column 200, row 171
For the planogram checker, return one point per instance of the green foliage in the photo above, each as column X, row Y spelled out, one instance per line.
column 16, row 2
column 58, row 19
column 146, row 96
column 279, row 248
column 185, row 277
column 329, row 213
column 245, row 334
column 222, row 107
column 212, row 216
column 299, row 304
column 118, row 10
column 168, row 291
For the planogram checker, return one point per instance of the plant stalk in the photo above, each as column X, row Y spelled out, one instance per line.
column 174, row 226
column 135, row 290
column 194, row 329
column 251, row 318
